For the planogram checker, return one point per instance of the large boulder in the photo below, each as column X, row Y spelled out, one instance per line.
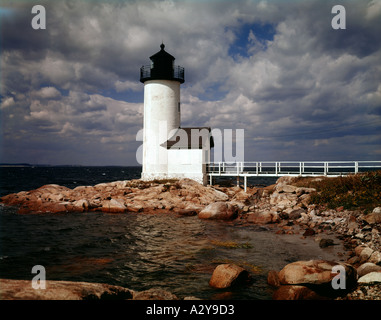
column 61, row 290
column 262, row 217
column 315, row 272
column 227, row 275
column 273, row 279
column 364, row 253
column 155, row 294
column 370, row 278
column 286, row 188
column 296, row 214
column 296, row 292
column 366, row 268
column 375, row 258
column 220, row 211
column 285, row 180
column 315, row 279
column 81, row 205
column 374, row 216
column 243, row 197
column 303, row 190
column 193, row 192
column 283, row 200
column 113, row 206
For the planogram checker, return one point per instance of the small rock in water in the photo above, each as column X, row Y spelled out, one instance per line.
column 325, row 243
column 309, row 232
column 227, row 275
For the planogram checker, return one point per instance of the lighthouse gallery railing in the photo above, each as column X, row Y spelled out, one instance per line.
column 145, row 73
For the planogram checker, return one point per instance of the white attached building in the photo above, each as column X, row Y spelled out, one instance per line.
column 170, row 151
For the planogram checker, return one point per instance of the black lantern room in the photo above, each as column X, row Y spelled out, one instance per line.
column 162, row 68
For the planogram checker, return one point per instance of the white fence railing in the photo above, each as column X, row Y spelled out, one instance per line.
column 290, row 168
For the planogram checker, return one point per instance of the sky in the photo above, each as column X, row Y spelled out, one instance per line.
column 301, row 90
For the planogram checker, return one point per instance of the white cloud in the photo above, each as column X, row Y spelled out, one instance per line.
column 7, row 102
column 285, row 92
column 319, row 142
column 373, row 9
column 127, row 85
column 47, row 93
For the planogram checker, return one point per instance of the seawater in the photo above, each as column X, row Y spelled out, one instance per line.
column 138, row 251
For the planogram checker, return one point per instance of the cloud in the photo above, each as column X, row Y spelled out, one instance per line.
column 373, row 9
column 276, row 69
column 127, row 85
column 7, row 103
column 47, row 93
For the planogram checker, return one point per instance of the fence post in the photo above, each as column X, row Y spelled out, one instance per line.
column 276, row 168
column 356, row 167
column 219, row 168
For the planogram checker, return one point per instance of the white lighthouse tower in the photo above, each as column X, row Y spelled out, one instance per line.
column 163, row 159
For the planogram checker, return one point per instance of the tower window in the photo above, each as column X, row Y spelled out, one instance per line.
column 178, row 107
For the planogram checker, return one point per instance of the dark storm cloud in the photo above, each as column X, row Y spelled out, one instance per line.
column 17, row 34
column 361, row 36
column 302, row 90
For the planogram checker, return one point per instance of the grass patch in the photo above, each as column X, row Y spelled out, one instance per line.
column 359, row 191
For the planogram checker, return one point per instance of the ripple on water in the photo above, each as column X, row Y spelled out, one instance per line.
column 140, row 251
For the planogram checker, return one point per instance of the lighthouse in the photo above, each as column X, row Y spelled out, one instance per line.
column 169, row 151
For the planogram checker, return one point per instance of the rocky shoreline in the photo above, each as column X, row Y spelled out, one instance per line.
column 71, row 290
column 283, row 206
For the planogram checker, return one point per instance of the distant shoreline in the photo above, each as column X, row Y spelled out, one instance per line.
column 28, row 165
